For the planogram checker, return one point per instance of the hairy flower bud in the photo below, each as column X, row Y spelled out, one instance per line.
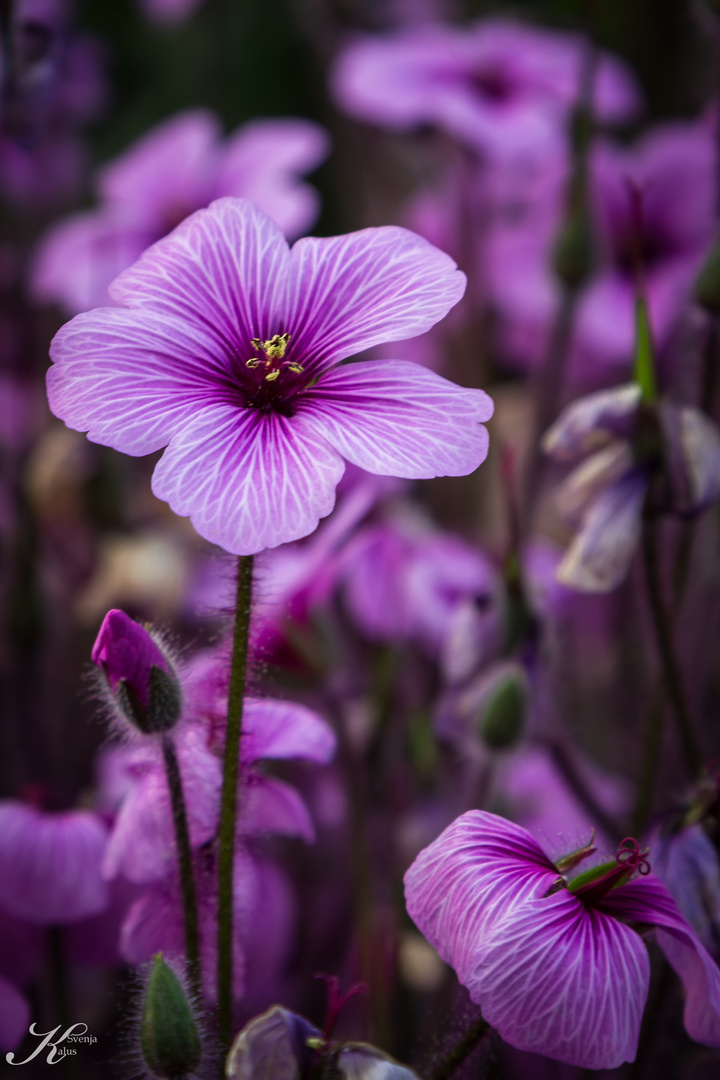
column 139, row 674
column 169, row 1036
column 502, row 716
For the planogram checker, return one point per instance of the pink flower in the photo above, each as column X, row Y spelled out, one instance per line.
column 557, row 963
column 178, row 167
column 228, row 354
column 503, row 88
column 50, row 864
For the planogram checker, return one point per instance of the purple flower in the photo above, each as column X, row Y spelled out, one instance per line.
column 674, row 167
column 625, row 444
column 228, row 351
column 50, row 864
column 557, row 963
column 687, row 861
column 503, row 88
column 175, row 169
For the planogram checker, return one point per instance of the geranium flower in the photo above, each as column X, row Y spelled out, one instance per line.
column 174, row 169
column 227, row 353
column 557, row 963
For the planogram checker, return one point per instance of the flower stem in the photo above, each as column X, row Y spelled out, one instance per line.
column 185, row 862
column 652, row 744
column 461, row 1050
column 228, row 806
column 663, row 636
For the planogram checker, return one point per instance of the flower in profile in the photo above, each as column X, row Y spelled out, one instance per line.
column 665, row 459
column 227, row 353
column 556, row 959
column 176, row 168
column 501, row 87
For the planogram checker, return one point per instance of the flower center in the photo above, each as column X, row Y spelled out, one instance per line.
column 271, row 380
column 594, row 884
column 273, row 351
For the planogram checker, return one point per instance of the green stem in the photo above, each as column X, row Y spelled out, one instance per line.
column 652, row 744
column 461, row 1050
column 185, row 862
column 228, row 806
column 671, row 670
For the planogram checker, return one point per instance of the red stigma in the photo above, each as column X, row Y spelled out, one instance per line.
column 337, row 1001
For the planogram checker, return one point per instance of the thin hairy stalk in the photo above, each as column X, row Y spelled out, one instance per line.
column 185, row 862
column 461, row 1050
column 652, row 745
column 228, row 805
column 663, row 637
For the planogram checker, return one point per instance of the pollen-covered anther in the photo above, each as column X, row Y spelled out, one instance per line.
column 274, row 348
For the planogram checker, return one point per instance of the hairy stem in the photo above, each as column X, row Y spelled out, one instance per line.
column 663, row 637
column 228, row 806
column 185, row 862
column 461, row 1050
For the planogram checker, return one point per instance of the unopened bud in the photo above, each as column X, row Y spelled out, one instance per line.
column 572, row 257
column 169, row 1035
column 139, row 674
column 502, row 716
column 707, row 286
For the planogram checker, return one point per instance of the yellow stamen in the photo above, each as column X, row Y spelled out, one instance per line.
column 274, row 348
column 272, row 375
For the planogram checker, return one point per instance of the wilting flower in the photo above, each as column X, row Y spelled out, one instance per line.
column 228, row 352
column 674, row 169
column 556, row 962
column 503, row 88
column 50, row 863
column 627, row 446
column 175, row 169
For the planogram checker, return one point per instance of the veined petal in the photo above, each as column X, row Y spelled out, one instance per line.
column 271, row 806
column 346, row 293
column 285, row 729
column 249, row 480
column 560, row 979
column 397, row 418
column 647, row 901
column 222, row 269
column 132, row 379
column 477, row 871
column 600, row 555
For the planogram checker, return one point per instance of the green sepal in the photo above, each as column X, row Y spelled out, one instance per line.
column 644, row 367
column 591, row 875
column 503, row 715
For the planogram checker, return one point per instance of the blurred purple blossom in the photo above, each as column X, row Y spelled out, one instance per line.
column 503, row 88
column 687, row 861
column 173, row 170
column 553, row 960
column 256, row 442
column 14, row 1016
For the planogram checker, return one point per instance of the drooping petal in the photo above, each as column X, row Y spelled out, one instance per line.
column 560, row 979
column 397, row 418
column 249, row 480
column 223, row 269
column 272, row 807
column 273, row 1044
column 477, row 871
column 646, row 901
column 582, row 425
column 285, row 729
column 14, row 1017
column 687, row 862
column 599, row 557
column 50, row 864
column 132, row 379
column 700, row 441
column 347, row 293
column 360, row 1061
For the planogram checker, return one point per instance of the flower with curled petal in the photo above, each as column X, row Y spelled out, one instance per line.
column 556, row 962
column 228, row 352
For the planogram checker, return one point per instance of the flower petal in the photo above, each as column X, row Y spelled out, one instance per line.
column 397, row 418
column 347, row 293
column 285, row 729
column 577, row 429
column 563, row 980
column 223, row 269
column 249, row 480
column 132, row 379
column 477, row 871
column 271, row 806
column 647, row 901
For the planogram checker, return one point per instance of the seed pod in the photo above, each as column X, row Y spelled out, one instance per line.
column 169, row 1035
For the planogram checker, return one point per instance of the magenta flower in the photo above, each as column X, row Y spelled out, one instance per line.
column 557, row 963
column 50, row 864
column 227, row 354
column 177, row 168
column 503, row 88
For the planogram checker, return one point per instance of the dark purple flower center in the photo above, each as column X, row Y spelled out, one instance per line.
column 270, row 378
column 651, row 249
column 493, row 84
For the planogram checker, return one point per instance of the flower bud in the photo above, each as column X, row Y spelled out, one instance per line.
column 502, row 715
column 139, row 674
column 169, row 1036
column 572, row 256
column 707, row 286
